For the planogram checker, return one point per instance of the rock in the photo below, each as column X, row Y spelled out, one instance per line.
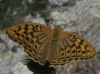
column 38, row 19
column 58, row 2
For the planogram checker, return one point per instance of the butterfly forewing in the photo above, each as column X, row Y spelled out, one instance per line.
column 32, row 36
column 71, row 47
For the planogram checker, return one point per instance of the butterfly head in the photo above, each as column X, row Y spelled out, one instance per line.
column 56, row 32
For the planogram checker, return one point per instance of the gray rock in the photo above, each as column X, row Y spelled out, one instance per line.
column 58, row 2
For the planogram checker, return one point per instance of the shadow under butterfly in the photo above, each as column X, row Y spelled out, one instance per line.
column 36, row 68
column 44, row 45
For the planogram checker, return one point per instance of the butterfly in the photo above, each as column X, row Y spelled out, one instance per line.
column 41, row 43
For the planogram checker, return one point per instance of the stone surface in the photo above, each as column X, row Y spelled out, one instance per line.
column 58, row 2
column 29, row 18
column 83, row 18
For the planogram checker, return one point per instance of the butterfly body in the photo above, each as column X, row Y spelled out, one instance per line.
column 50, row 48
column 41, row 43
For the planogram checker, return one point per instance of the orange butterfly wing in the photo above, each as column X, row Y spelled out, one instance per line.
column 71, row 47
column 32, row 36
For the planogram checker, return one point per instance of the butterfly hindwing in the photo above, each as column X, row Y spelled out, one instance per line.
column 71, row 47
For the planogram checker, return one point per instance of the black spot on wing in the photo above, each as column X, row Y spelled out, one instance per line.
column 37, row 27
column 23, row 36
column 35, row 46
column 34, row 29
column 83, row 52
column 81, row 42
column 18, row 34
column 68, row 51
column 32, row 41
column 15, row 31
column 27, row 38
column 29, row 46
column 31, row 33
column 69, row 35
column 41, row 28
column 74, row 51
column 26, row 27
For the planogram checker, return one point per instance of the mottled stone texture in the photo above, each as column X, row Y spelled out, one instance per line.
column 83, row 17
